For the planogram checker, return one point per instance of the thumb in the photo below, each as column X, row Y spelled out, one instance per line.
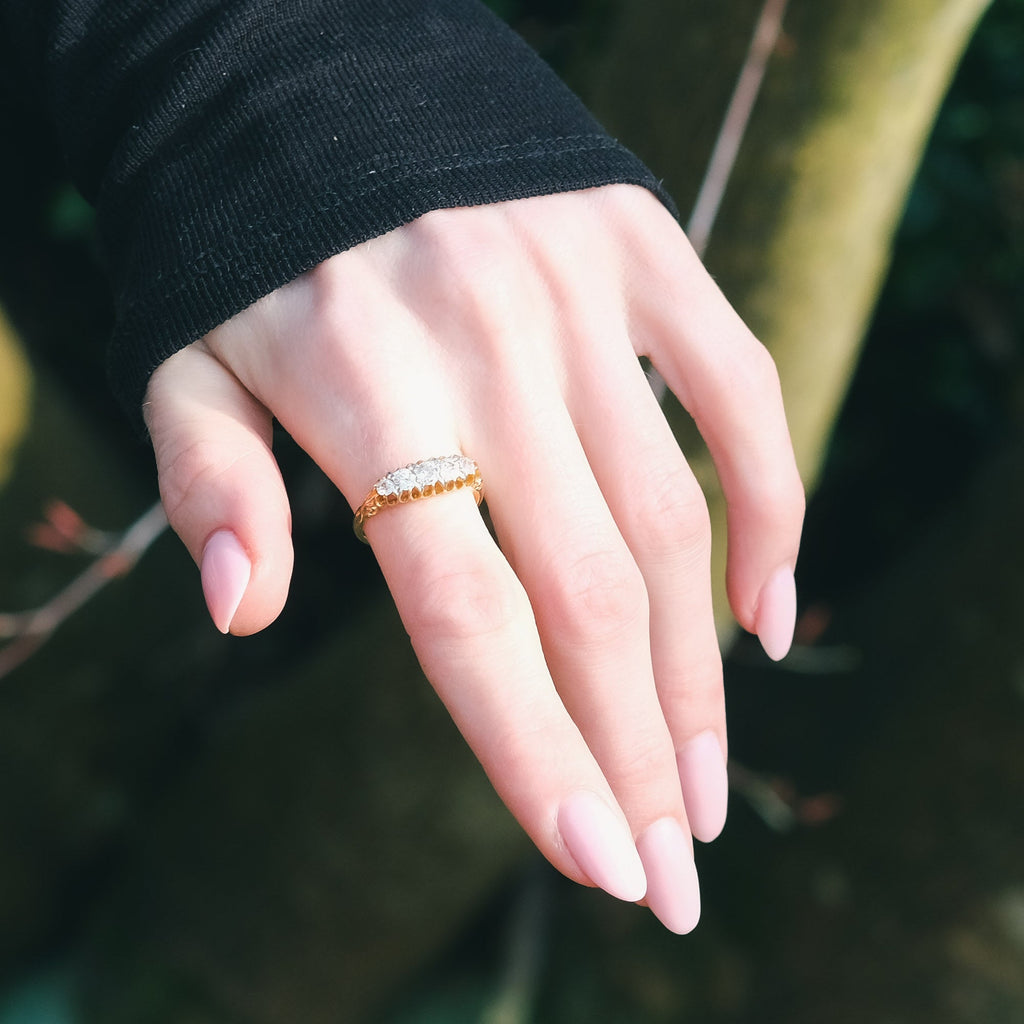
column 221, row 487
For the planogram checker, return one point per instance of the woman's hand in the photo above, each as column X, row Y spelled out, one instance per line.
column 579, row 660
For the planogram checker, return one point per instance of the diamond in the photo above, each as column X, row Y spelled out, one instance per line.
column 448, row 470
column 425, row 473
column 403, row 479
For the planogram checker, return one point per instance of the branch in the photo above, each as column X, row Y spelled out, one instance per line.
column 28, row 631
column 734, row 125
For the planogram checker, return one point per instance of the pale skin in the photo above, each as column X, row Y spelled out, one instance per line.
column 579, row 659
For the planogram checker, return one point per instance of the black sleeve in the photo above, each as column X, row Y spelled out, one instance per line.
column 230, row 145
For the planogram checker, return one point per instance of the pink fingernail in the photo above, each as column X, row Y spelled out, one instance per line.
column 673, row 892
column 225, row 573
column 775, row 619
column 602, row 846
column 705, row 783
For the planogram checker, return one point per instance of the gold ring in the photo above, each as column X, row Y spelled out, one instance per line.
column 419, row 480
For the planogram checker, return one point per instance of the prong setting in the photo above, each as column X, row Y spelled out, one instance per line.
column 418, row 480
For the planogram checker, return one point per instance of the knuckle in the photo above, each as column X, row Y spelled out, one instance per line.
column 459, row 234
column 780, row 503
column 184, row 472
column 339, row 329
column 595, row 596
column 641, row 768
column 455, row 607
column 792, row 505
column 760, row 374
column 194, row 468
column 673, row 516
column 476, row 276
column 485, row 299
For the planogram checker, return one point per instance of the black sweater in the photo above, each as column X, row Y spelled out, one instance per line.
column 230, row 145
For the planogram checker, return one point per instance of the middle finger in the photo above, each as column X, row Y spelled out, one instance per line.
column 591, row 606
column 661, row 512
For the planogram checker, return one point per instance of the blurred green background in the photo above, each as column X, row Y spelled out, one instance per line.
column 199, row 829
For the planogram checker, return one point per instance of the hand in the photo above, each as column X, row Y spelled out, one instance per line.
column 579, row 660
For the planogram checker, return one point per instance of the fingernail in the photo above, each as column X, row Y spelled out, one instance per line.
column 673, row 892
column 602, row 846
column 225, row 573
column 775, row 618
column 705, row 782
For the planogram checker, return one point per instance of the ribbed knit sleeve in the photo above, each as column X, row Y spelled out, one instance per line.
column 230, row 145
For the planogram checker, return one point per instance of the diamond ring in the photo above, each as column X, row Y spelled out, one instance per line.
column 419, row 480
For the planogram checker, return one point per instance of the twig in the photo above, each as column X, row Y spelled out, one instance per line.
column 730, row 137
column 63, row 530
column 734, row 125
column 776, row 802
column 28, row 631
column 763, row 798
column 514, row 1000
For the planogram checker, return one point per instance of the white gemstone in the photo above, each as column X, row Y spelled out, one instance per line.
column 425, row 473
column 448, row 471
column 385, row 486
column 403, row 479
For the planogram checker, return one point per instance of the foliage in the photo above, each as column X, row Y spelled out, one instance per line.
column 939, row 387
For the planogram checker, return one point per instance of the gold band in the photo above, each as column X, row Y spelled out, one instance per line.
column 419, row 480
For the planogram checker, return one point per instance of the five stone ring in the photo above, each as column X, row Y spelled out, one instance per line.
column 419, row 480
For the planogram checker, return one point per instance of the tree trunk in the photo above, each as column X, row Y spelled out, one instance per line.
column 15, row 396
column 804, row 235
